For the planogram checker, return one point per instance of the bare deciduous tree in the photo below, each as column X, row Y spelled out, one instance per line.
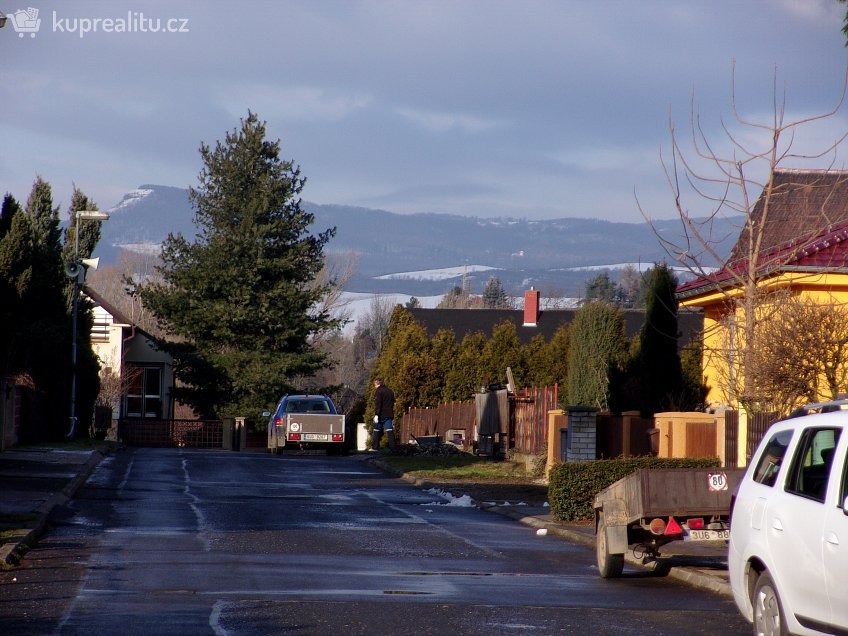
column 737, row 180
column 338, row 269
column 802, row 354
column 112, row 282
column 376, row 322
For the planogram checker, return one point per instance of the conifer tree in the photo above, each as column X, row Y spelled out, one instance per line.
column 241, row 299
column 35, row 313
column 596, row 350
column 467, row 375
column 16, row 259
column 445, row 350
column 494, row 295
column 661, row 374
column 503, row 350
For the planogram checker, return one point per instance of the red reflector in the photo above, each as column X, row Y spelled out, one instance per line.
column 695, row 524
column 657, row 526
column 672, row 527
column 338, row 437
column 294, row 436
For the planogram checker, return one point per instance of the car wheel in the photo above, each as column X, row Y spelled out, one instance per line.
column 609, row 565
column 769, row 618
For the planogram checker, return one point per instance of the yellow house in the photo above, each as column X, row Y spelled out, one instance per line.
column 791, row 254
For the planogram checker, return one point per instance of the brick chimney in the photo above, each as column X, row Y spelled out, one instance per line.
column 531, row 307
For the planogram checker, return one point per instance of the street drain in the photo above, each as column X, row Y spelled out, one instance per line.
column 405, row 592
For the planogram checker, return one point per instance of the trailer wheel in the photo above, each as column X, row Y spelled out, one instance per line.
column 609, row 565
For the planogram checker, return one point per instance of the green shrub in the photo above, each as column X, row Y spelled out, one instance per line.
column 572, row 486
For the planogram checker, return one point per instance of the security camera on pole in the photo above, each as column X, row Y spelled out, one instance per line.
column 75, row 270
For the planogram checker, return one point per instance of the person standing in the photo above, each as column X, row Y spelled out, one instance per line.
column 384, row 415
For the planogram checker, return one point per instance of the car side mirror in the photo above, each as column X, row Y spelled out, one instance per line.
column 266, row 413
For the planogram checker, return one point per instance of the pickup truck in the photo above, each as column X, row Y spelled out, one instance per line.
column 654, row 506
column 308, row 421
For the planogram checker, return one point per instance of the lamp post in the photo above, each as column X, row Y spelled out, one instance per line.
column 76, row 271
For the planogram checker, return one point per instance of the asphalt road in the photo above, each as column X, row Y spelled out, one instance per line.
column 172, row 541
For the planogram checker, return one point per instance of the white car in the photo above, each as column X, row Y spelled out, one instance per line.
column 788, row 554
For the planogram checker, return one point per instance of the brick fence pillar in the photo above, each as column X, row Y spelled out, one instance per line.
column 582, row 432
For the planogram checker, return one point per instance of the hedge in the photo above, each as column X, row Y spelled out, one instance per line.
column 572, row 486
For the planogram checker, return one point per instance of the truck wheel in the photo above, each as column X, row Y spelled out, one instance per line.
column 609, row 565
column 768, row 610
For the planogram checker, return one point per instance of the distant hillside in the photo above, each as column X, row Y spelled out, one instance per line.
column 523, row 252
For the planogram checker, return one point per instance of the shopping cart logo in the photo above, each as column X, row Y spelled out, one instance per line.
column 25, row 21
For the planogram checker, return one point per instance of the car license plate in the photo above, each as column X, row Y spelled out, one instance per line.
column 707, row 535
column 316, row 437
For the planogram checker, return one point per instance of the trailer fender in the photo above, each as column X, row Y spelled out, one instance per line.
column 614, row 526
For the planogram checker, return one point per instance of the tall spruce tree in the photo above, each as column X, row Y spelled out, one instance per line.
column 45, row 324
column 16, row 259
column 34, row 310
column 661, row 374
column 240, row 301
column 494, row 295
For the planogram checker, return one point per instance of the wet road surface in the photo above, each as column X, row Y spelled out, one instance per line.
column 175, row 541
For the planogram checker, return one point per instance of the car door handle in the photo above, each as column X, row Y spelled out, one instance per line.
column 777, row 525
column 831, row 538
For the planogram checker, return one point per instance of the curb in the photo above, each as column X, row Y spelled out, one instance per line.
column 687, row 575
column 10, row 553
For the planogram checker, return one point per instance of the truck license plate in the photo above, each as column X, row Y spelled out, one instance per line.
column 707, row 535
column 316, row 437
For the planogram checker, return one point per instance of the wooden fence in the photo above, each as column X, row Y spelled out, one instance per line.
column 531, row 419
column 623, row 436
column 528, row 420
column 420, row 422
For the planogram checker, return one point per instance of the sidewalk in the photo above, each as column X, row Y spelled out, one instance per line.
column 32, row 483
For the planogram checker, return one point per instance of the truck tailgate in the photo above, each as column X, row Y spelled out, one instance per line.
column 308, row 424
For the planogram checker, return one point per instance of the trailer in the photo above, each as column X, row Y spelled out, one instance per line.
column 655, row 506
column 308, row 421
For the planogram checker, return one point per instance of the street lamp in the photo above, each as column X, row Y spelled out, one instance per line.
column 76, row 271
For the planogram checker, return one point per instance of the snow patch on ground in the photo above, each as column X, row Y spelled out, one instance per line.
column 444, row 273
column 457, row 502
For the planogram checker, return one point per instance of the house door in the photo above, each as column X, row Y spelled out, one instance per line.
column 144, row 395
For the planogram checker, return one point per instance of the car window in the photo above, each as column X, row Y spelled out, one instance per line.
column 772, row 458
column 812, row 462
column 295, row 406
column 307, row 406
column 843, row 494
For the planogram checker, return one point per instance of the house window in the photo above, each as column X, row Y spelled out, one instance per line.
column 144, row 394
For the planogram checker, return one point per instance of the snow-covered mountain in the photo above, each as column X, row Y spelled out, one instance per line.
column 426, row 254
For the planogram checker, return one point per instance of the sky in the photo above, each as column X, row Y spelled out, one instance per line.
column 525, row 109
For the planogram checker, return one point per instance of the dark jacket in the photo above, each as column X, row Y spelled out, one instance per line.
column 384, row 403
